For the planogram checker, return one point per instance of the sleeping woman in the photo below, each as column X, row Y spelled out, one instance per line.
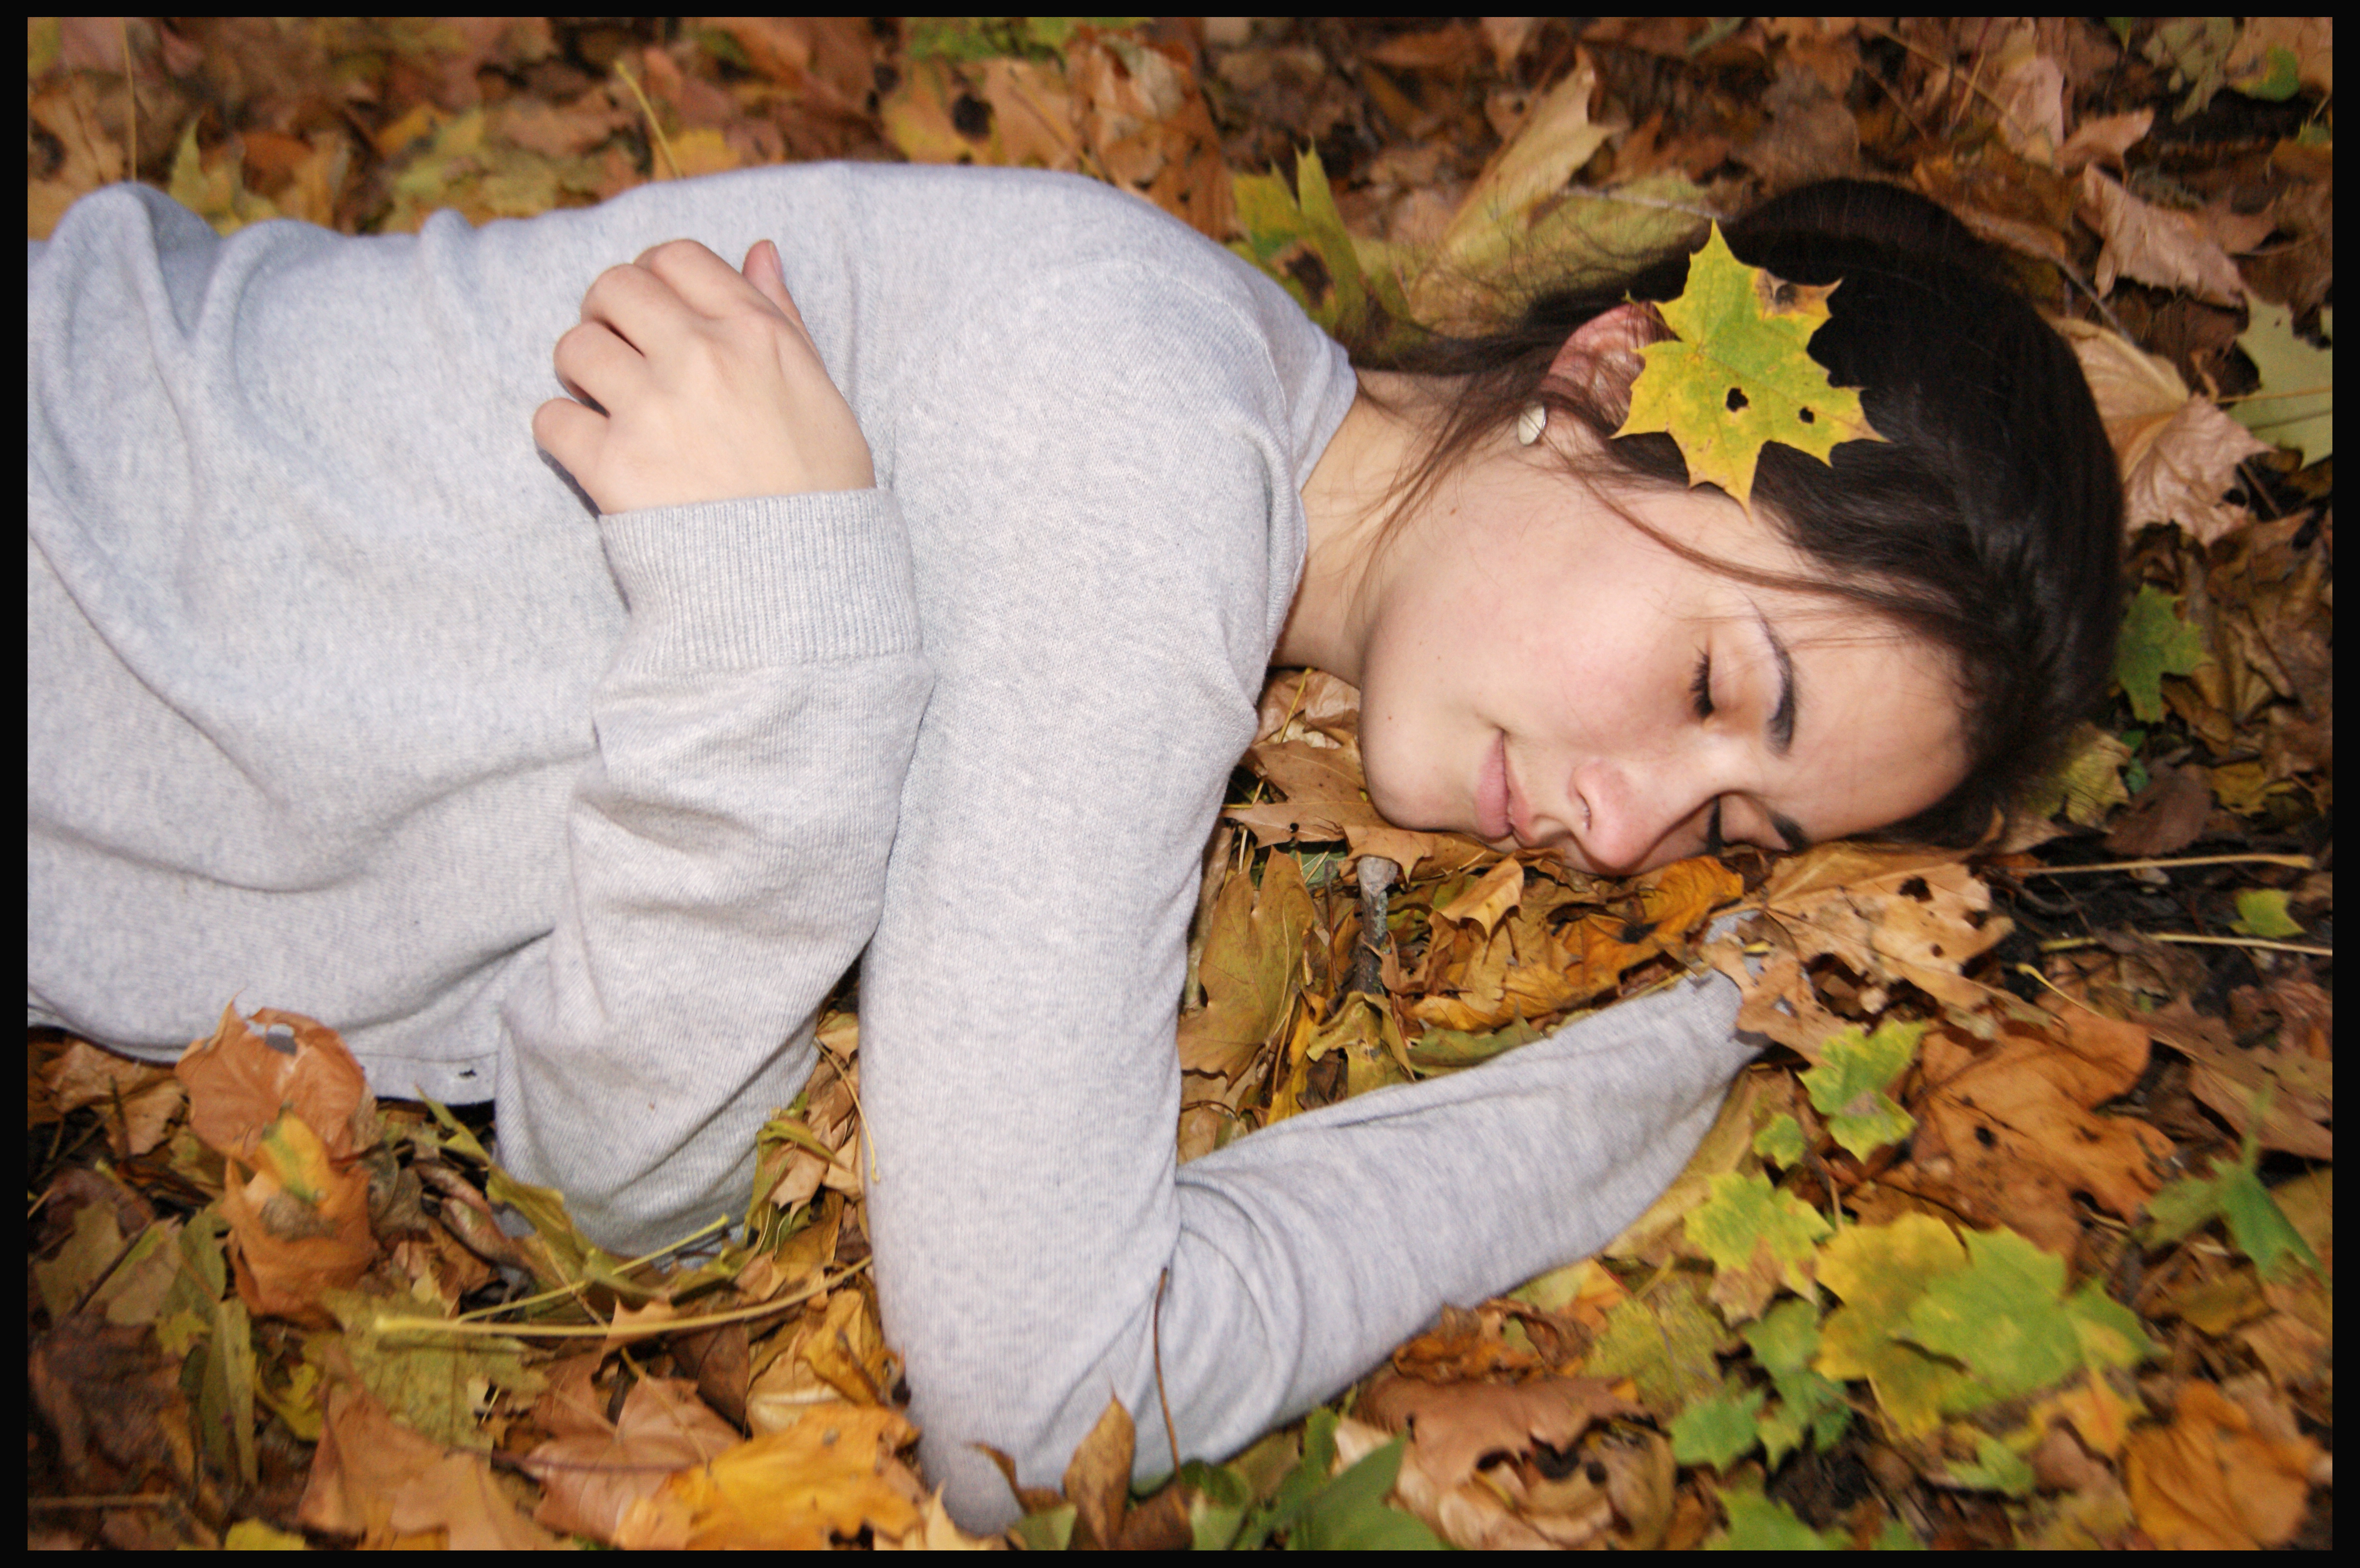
column 900, row 597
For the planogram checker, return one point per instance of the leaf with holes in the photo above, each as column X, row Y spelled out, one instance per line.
column 1738, row 374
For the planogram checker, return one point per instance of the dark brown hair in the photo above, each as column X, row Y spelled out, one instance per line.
column 1987, row 523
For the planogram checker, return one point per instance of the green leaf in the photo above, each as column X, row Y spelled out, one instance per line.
column 1743, row 1211
column 2234, row 1192
column 2262, row 912
column 1757, row 1523
column 1348, row 1514
column 431, row 1383
column 1447, row 1050
column 1997, row 1468
column 1783, row 1340
column 1738, row 373
column 1847, row 1086
column 2002, row 1316
column 1780, row 1139
column 1663, row 1342
column 2295, row 404
column 2154, row 643
column 1717, row 1429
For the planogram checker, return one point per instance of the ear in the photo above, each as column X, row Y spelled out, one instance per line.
column 1602, row 360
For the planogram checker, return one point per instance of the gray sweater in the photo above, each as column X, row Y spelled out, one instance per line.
column 341, row 700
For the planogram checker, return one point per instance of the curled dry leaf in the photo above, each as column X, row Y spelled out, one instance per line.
column 2179, row 453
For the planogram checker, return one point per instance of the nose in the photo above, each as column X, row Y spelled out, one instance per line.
column 1631, row 811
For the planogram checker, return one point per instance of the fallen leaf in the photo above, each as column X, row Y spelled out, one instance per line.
column 789, row 1490
column 2209, row 1482
column 376, row 1480
column 2154, row 244
column 1737, row 374
column 2179, row 453
column 1453, row 1426
column 592, row 1473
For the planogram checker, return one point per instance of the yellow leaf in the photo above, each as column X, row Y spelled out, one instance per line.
column 787, row 1491
column 1738, row 374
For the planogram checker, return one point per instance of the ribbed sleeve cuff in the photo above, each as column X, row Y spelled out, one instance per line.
column 766, row 580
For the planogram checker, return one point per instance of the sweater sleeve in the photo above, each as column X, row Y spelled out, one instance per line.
column 725, row 852
column 1018, row 1004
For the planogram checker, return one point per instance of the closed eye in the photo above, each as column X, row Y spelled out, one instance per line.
column 1700, row 687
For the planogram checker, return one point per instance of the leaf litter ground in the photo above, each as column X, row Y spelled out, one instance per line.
column 2022, row 1235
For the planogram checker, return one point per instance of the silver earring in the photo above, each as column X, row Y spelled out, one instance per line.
column 1530, row 422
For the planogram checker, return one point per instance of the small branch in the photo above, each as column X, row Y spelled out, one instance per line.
column 610, row 1330
column 2188, row 939
column 2302, row 862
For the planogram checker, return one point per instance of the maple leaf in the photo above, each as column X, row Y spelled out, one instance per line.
column 1848, row 1085
column 1738, row 375
column 1758, row 1238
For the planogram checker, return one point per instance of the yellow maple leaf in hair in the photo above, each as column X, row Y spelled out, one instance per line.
column 1738, row 374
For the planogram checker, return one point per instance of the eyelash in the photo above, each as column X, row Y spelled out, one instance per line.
column 1700, row 693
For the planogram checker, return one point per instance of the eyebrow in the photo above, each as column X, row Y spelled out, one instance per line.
column 1781, row 728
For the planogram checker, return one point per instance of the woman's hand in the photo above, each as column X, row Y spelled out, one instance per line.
column 698, row 383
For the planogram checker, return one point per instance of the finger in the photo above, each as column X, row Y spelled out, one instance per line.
column 568, row 433
column 595, row 364
column 764, row 271
column 706, row 283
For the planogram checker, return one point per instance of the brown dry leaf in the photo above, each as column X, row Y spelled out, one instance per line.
column 2168, row 815
column 1139, row 109
column 2211, row 1481
column 846, row 1348
column 937, row 1531
column 1487, row 899
column 590, row 1473
column 1453, row 1426
column 299, row 1223
column 2007, row 1133
column 1469, row 1516
column 789, row 1490
column 2299, row 1087
column 1462, row 1347
column 2178, row 452
column 375, row 1479
column 1252, row 964
column 2154, row 244
column 113, row 1401
column 150, row 1095
column 1554, row 140
column 239, row 1082
column 1887, row 915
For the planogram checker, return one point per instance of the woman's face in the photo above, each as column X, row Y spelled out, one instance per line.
column 1535, row 671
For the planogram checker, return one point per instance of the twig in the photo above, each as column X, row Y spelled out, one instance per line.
column 654, row 128
column 2186, row 938
column 131, row 99
column 389, row 1324
column 1155, row 1343
column 107, row 1500
column 2302, row 862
